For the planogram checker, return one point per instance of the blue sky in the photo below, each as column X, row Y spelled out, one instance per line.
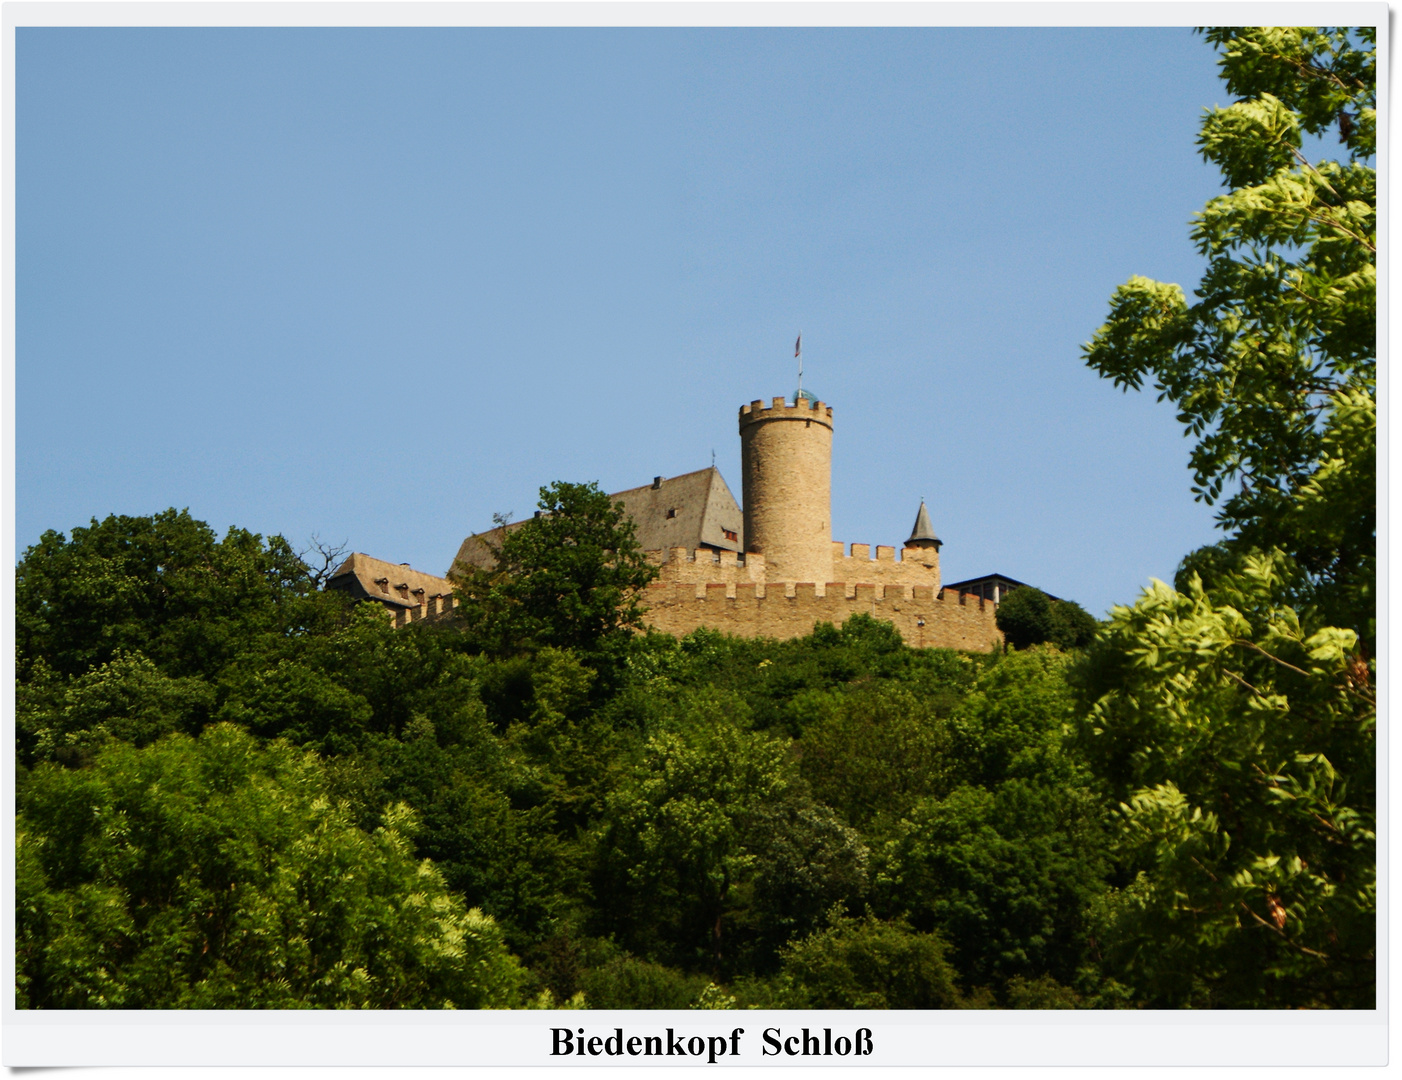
column 379, row 284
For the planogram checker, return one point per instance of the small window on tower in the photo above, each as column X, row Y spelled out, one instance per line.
column 732, row 537
column 672, row 512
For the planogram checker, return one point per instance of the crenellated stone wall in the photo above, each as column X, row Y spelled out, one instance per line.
column 702, row 566
column 925, row 617
column 916, row 566
column 727, row 591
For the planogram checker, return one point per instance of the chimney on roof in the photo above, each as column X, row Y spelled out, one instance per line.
column 656, row 482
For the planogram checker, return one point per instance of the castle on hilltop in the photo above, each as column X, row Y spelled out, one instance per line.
column 765, row 567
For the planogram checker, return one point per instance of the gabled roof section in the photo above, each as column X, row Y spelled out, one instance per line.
column 393, row 584
column 693, row 510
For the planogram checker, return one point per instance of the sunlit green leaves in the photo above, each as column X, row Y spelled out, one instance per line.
column 1323, row 73
column 1250, row 140
column 568, row 577
column 1233, row 717
column 1282, row 334
column 212, row 873
column 1228, row 726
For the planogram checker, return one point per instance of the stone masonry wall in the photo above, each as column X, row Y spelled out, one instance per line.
column 702, row 566
column 924, row 617
column 786, row 484
column 726, row 592
column 917, row 566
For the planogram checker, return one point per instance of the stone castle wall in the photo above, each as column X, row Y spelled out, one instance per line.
column 916, row 566
column 728, row 592
column 702, row 566
column 699, row 567
column 925, row 617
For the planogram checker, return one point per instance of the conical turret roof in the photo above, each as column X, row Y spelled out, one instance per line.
column 923, row 530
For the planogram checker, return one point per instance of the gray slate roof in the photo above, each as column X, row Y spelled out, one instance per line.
column 702, row 508
column 923, row 530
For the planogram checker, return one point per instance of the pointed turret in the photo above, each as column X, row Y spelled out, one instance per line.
column 923, row 534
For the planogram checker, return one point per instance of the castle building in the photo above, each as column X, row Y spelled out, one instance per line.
column 695, row 510
column 394, row 585
column 765, row 567
column 991, row 587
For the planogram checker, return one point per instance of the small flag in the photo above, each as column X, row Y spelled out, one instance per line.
column 798, row 346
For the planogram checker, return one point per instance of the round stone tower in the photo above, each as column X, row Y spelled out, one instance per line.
column 786, row 478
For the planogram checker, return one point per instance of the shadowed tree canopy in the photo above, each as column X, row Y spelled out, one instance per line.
column 164, row 586
column 568, row 577
column 1029, row 617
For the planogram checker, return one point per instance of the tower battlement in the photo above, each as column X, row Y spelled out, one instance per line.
column 781, row 409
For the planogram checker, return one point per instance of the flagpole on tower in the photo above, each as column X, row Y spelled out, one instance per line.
column 798, row 355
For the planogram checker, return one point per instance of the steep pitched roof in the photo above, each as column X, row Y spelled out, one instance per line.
column 693, row 510
column 923, row 530
column 393, row 584
column 700, row 506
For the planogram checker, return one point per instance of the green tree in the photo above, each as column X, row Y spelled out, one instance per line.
column 869, row 964
column 1273, row 368
column 876, row 752
column 1239, row 742
column 211, row 873
column 1006, row 864
column 711, row 818
column 1025, row 617
column 481, row 821
column 128, row 698
column 1028, row 617
column 569, row 577
column 1073, row 626
column 165, row 587
column 1233, row 718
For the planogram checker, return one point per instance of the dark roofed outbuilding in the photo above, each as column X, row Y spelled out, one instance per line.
column 991, row 587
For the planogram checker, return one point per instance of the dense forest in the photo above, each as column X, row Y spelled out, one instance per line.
column 236, row 789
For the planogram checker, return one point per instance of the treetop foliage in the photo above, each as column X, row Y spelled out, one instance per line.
column 1028, row 617
column 1233, row 718
column 1318, row 73
column 569, row 577
column 163, row 586
column 1272, row 369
